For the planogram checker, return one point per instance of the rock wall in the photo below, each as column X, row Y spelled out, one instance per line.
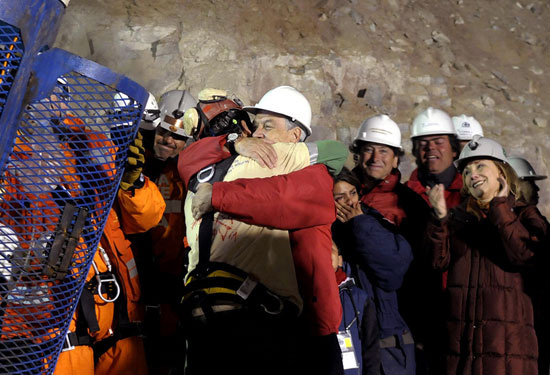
column 351, row 58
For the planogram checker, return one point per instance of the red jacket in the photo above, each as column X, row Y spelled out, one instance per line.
column 300, row 194
column 490, row 261
column 452, row 198
column 385, row 199
column 452, row 193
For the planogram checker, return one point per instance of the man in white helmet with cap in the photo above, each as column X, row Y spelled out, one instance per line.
column 388, row 201
column 283, row 116
column 466, row 127
column 435, row 147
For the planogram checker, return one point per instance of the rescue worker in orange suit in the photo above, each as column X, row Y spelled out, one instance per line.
column 435, row 147
column 296, row 199
column 26, row 204
column 104, row 334
column 161, row 250
column 105, row 324
column 29, row 203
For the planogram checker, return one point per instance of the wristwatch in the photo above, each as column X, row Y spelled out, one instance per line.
column 230, row 142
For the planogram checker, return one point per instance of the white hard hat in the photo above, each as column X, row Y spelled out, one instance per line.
column 173, row 105
column 432, row 121
column 480, row 148
column 151, row 114
column 123, row 105
column 524, row 169
column 286, row 101
column 121, row 100
column 380, row 129
column 466, row 127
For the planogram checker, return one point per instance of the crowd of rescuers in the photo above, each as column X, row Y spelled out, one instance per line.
column 272, row 257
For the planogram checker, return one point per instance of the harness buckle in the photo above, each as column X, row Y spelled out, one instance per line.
column 206, row 174
column 104, row 279
column 278, row 299
column 67, row 345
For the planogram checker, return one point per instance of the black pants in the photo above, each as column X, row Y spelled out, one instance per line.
column 242, row 341
column 320, row 355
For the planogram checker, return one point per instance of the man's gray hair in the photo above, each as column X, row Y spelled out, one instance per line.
column 291, row 125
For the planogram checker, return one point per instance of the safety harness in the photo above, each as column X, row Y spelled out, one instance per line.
column 106, row 286
column 212, row 284
column 102, row 283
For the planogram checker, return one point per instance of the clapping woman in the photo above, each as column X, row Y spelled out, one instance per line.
column 488, row 244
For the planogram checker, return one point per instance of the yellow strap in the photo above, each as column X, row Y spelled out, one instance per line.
column 214, row 290
column 218, row 273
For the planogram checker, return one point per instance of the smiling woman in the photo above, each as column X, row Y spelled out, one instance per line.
column 493, row 246
column 484, row 179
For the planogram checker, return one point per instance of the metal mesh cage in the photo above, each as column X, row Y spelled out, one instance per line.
column 11, row 52
column 58, row 183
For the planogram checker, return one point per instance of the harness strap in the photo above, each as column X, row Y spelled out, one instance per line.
column 205, row 230
column 123, row 329
column 74, row 339
column 221, row 282
column 213, row 282
column 87, row 307
column 122, row 332
column 86, row 318
column 205, row 238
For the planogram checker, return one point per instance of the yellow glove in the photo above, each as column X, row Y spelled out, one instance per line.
column 134, row 164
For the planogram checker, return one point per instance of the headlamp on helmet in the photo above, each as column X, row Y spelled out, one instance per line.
column 480, row 148
column 173, row 105
column 215, row 114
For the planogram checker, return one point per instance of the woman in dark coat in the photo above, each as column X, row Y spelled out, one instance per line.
column 489, row 244
column 379, row 257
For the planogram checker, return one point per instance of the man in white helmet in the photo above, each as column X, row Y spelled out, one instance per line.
column 401, row 211
column 466, row 127
column 527, row 177
column 283, row 116
column 528, row 192
column 162, row 249
column 435, row 147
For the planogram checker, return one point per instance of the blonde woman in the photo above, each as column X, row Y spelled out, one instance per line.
column 488, row 244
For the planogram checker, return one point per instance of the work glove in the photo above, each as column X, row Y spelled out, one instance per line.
column 134, row 165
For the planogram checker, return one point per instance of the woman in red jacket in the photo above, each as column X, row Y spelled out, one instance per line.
column 489, row 243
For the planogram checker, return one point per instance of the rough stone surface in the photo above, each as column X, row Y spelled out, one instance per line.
column 480, row 58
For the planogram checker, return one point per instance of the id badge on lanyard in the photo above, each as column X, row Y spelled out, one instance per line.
column 349, row 359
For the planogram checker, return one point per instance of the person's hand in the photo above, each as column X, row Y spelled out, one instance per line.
column 504, row 188
column 134, row 164
column 345, row 212
column 259, row 149
column 436, row 195
column 202, row 201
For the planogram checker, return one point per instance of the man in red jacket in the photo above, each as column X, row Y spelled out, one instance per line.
column 378, row 146
column 296, row 198
column 435, row 147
